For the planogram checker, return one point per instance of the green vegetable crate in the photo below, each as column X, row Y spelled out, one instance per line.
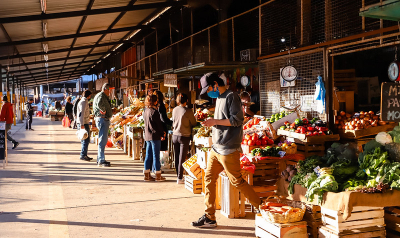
column 392, row 221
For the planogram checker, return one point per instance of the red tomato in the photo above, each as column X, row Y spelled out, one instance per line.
column 244, row 127
column 247, row 137
column 255, row 137
column 250, row 142
column 264, row 142
column 264, row 137
column 258, row 142
column 270, row 142
column 244, row 142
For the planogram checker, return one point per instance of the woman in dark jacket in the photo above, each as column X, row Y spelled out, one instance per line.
column 164, row 118
column 68, row 110
column 153, row 135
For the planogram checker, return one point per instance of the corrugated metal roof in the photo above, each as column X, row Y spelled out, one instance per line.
column 89, row 40
column 109, row 3
column 65, row 5
column 12, row 8
column 79, row 52
column 24, row 30
column 114, row 37
column 34, row 47
column 99, row 22
column 133, row 18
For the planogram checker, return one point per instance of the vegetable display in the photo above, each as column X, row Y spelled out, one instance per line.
column 277, row 116
column 315, row 127
column 204, row 132
column 357, row 121
column 375, row 170
column 267, row 151
column 255, row 139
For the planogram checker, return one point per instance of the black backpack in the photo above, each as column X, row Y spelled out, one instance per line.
column 75, row 108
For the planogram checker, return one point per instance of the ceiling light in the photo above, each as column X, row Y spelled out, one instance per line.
column 133, row 33
column 46, row 65
column 44, row 25
column 107, row 55
column 45, row 47
column 156, row 16
column 46, row 57
column 118, row 47
column 43, row 5
column 283, row 40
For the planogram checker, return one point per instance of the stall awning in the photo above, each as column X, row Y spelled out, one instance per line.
column 387, row 10
column 203, row 68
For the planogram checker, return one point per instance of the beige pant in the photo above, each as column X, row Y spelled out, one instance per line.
column 231, row 164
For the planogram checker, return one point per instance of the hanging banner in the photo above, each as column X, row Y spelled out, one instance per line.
column 171, row 80
column 390, row 102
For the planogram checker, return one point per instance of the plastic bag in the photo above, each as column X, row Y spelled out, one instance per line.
column 82, row 134
column 164, row 160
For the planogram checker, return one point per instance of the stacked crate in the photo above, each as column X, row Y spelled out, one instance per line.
column 363, row 222
column 392, row 221
column 266, row 174
column 193, row 181
column 267, row 229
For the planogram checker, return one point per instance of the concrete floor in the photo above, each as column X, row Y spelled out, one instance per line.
column 46, row 191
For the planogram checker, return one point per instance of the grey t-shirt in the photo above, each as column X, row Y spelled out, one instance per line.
column 227, row 139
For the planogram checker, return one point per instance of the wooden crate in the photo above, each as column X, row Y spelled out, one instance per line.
column 232, row 200
column 309, row 149
column 361, row 217
column 392, row 221
column 193, row 185
column 355, row 134
column 266, row 229
column 367, row 232
column 194, row 170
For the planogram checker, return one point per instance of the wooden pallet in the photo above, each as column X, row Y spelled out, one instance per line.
column 266, row 229
column 392, row 220
column 232, row 200
column 367, row 232
column 193, row 185
column 361, row 217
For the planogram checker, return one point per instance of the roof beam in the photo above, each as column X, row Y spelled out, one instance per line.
column 62, row 50
column 53, row 66
column 71, row 36
column 91, row 12
column 54, row 60
column 55, row 80
column 50, row 71
column 40, row 74
column 51, row 78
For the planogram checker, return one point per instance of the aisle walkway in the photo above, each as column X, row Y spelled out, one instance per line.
column 46, row 191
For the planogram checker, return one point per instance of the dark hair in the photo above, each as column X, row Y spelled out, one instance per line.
column 181, row 98
column 159, row 95
column 5, row 99
column 150, row 100
column 30, row 99
column 215, row 78
column 86, row 93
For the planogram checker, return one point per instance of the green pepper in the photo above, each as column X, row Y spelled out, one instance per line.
column 282, row 127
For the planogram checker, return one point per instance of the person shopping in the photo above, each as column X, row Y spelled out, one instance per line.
column 227, row 134
column 83, row 119
column 68, row 110
column 153, row 134
column 29, row 114
column 7, row 115
column 183, row 122
column 102, row 112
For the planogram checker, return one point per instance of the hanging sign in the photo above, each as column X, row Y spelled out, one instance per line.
column 124, row 82
column 390, row 102
column 171, row 80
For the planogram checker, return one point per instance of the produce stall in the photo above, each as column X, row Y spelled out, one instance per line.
column 351, row 187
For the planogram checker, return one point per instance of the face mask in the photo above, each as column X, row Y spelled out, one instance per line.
column 213, row 94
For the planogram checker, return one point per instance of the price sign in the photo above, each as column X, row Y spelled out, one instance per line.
column 390, row 102
column 3, row 140
column 171, row 80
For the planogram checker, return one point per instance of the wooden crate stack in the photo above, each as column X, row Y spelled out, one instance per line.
column 392, row 220
column 192, row 184
column 266, row 229
column 193, row 181
column 363, row 222
column 265, row 176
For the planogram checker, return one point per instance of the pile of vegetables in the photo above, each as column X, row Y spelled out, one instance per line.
column 267, row 151
column 252, row 122
column 255, row 139
column 288, row 147
column 289, row 173
column 375, row 170
column 277, row 116
column 357, row 121
column 315, row 127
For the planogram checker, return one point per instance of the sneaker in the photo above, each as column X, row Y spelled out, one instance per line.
column 104, row 163
column 15, row 145
column 180, row 181
column 85, row 158
column 204, row 222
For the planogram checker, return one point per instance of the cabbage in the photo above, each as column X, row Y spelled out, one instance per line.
column 383, row 138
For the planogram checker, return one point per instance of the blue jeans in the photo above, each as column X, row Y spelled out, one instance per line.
column 103, row 125
column 153, row 155
column 85, row 143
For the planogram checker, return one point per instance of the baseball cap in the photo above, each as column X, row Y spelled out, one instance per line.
column 208, row 80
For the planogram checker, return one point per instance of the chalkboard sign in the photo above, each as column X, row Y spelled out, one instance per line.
column 390, row 102
column 3, row 140
column 170, row 80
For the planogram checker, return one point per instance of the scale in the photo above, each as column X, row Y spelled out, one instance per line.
column 289, row 73
column 393, row 70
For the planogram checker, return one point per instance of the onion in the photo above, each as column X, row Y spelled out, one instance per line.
column 382, row 123
column 361, row 116
column 362, row 113
column 371, row 112
column 342, row 113
column 348, row 115
column 339, row 118
column 375, row 117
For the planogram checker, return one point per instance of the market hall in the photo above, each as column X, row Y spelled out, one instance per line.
column 127, row 118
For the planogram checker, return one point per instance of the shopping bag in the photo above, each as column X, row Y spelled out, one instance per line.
column 63, row 121
column 67, row 122
column 82, row 134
